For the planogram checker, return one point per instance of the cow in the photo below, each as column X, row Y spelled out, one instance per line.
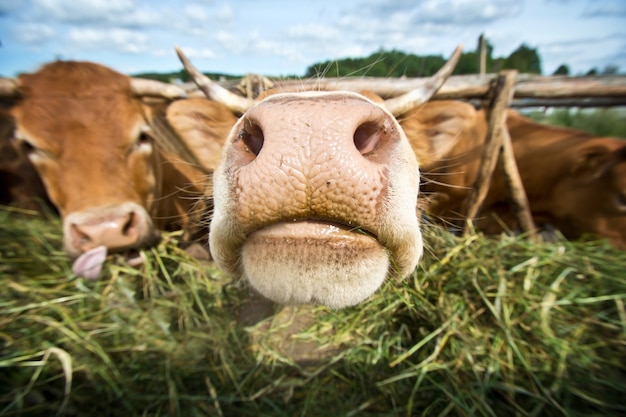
column 574, row 181
column 20, row 185
column 102, row 142
column 315, row 194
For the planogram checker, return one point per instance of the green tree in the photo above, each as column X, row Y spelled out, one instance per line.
column 610, row 70
column 562, row 70
column 468, row 62
column 524, row 59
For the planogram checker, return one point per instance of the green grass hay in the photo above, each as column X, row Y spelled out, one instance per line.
column 483, row 327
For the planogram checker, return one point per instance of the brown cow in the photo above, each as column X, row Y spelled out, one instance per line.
column 101, row 143
column 575, row 182
column 315, row 195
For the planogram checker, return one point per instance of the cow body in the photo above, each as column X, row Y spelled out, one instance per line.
column 574, row 181
column 93, row 142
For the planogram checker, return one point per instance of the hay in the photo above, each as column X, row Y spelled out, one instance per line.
column 484, row 327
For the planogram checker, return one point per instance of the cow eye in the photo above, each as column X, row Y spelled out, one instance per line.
column 144, row 138
column 144, row 141
column 26, row 147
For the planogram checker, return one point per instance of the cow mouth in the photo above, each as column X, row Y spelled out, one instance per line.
column 90, row 263
column 313, row 228
column 311, row 261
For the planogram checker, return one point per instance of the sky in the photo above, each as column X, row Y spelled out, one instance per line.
column 277, row 38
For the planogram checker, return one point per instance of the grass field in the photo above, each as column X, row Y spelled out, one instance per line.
column 600, row 122
column 483, row 327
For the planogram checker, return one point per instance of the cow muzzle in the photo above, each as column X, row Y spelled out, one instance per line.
column 118, row 228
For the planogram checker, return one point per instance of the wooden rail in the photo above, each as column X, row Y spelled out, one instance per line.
column 529, row 90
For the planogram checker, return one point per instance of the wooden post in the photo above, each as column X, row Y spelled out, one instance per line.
column 516, row 188
column 482, row 54
column 503, row 95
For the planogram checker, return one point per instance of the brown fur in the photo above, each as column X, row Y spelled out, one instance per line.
column 20, row 186
column 572, row 179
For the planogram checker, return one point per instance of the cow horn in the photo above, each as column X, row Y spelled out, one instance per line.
column 153, row 88
column 213, row 90
column 9, row 87
column 402, row 104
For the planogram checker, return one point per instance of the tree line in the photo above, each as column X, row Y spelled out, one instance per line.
column 396, row 63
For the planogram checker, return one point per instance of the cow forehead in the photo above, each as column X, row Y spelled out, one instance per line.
column 68, row 98
column 77, row 79
column 326, row 105
column 317, row 96
column 49, row 122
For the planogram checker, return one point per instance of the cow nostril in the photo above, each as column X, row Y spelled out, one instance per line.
column 367, row 137
column 78, row 236
column 252, row 137
column 130, row 223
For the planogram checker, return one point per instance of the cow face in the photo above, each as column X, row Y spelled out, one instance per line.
column 87, row 135
column 119, row 159
column 315, row 199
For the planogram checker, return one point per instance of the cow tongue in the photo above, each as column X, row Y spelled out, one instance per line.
column 89, row 264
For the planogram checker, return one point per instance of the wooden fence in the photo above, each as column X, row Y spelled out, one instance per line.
column 529, row 90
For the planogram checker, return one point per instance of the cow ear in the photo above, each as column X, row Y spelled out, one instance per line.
column 592, row 163
column 201, row 127
column 436, row 128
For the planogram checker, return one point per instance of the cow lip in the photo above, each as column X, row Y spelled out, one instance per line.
column 323, row 227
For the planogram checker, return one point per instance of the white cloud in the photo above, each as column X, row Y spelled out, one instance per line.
column 33, row 33
column 466, row 11
column 313, row 32
column 101, row 13
column 8, row 6
column 121, row 40
column 230, row 42
column 195, row 12
column 224, row 13
column 201, row 53
column 606, row 8
column 84, row 10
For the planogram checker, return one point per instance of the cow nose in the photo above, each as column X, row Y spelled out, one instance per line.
column 115, row 232
column 314, row 131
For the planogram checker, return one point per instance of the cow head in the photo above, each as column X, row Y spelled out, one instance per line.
column 574, row 181
column 315, row 195
column 592, row 199
column 88, row 131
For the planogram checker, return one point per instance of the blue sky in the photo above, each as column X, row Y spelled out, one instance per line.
column 276, row 37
